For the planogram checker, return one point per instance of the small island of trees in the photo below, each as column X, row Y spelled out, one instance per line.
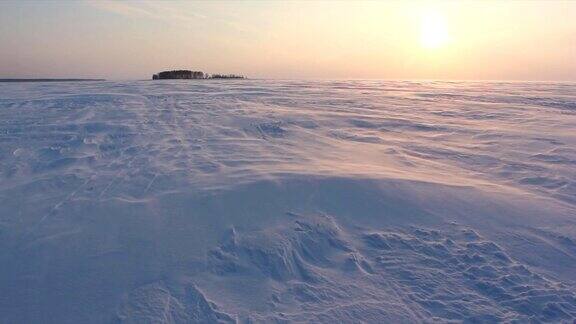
column 187, row 74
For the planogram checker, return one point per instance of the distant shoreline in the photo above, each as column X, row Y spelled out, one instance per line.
column 49, row 80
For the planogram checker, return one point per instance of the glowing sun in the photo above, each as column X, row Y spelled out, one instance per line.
column 433, row 30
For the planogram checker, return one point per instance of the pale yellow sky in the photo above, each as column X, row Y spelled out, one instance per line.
column 496, row 40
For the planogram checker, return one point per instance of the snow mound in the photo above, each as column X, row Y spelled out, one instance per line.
column 156, row 303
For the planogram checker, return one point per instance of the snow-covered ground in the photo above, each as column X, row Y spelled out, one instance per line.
column 287, row 201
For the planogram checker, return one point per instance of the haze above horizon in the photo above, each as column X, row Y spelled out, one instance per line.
column 492, row 40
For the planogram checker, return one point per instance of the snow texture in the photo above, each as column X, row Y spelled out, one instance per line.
column 259, row 201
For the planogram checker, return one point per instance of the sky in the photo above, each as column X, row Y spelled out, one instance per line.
column 121, row 40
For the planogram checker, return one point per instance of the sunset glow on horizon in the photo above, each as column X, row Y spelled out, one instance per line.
column 506, row 40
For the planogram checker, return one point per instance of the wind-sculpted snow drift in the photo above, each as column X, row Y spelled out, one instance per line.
column 287, row 201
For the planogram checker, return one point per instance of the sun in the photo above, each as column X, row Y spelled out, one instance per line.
column 433, row 30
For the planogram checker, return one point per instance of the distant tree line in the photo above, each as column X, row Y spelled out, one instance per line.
column 179, row 74
column 226, row 76
column 186, row 74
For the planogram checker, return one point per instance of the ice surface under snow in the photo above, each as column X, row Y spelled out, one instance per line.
column 287, row 201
